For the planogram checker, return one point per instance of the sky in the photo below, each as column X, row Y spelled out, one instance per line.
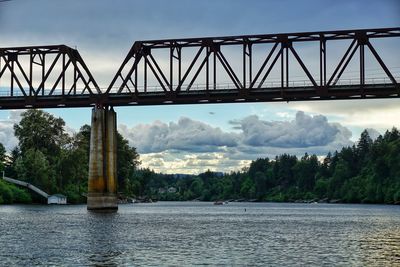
column 219, row 137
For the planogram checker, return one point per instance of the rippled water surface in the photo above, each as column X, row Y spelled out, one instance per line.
column 189, row 233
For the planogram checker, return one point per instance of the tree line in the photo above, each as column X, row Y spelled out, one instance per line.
column 49, row 158
column 368, row 172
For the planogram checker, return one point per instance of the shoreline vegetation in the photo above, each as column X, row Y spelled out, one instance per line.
column 47, row 157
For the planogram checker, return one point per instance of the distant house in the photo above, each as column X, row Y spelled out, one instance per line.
column 172, row 190
column 57, row 199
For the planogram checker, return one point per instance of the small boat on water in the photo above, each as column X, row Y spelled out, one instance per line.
column 220, row 202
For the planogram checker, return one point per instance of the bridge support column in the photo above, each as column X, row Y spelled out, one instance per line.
column 102, row 183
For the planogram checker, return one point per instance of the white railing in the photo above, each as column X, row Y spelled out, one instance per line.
column 27, row 185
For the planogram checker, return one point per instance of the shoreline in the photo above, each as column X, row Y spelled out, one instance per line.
column 211, row 202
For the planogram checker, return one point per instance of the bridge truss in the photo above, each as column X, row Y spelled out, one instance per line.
column 251, row 68
column 45, row 76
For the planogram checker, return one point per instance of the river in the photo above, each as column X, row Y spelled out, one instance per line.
column 200, row 233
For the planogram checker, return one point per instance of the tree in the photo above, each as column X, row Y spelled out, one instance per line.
column 127, row 160
column 247, row 188
column 197, row 187
column 260, row 184
column 10, row 162
column 41, row 131
column 364, row 145
column 305, row 171
column 2, row 157
column 34, row 168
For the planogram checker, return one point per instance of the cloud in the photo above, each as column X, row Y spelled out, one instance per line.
column 7, row 137
column 185, row 135
column 191, row 163
column 304, row 131
column 190, row 146
column 379, row 114
column 374, row 134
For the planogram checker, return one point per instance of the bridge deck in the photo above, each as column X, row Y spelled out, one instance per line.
column 205, row 97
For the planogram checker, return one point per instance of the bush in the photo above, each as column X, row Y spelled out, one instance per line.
column 6, row 194
column 20, row 195
column 73, row 195
column 397, row 195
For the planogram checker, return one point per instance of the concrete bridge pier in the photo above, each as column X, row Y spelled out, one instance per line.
column 102, row 183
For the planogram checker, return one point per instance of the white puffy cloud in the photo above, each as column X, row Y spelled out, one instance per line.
column 185, row 135
column 181, row 162
column 304, row 131
column 379, row 114
column 190, row 146
column 7, row 137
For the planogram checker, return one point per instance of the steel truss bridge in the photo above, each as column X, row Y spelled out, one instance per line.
column 190, row 71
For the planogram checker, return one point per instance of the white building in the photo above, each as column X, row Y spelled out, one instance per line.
column 172, row 190
column 57, row 199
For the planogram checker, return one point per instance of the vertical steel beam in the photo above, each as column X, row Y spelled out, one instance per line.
column 63, row 75
column 250, row 64
column 179, row 50
column 43, row 74
column 12, row 78
column 282, row 66
column 208, row 68
column 31, row 91
column 171, row 67
column 322, row 61
column 244, row 64
column 145, row 76
column 215, row 69
column 287, row 65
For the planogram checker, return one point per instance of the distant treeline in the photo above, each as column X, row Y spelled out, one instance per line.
column 50, row 159
column 368, row 172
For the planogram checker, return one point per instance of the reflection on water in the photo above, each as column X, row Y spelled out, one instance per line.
column 102, row 240
column 382, row 247
column 176, row 233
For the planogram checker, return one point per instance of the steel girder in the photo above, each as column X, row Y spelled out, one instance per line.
column 44, row 76
column 146, row 79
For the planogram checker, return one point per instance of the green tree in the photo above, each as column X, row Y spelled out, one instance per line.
column 41, row 131
column 247, row 188
column 34, row 168
column 197, row 187
column 127, row 161
column 3, row 157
